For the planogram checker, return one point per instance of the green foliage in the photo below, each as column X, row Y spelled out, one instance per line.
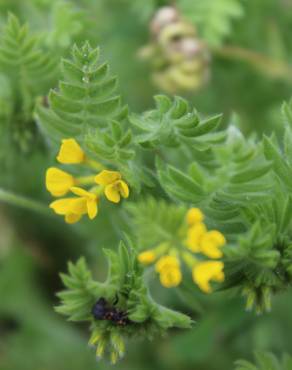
column 85, row 99
column 21, row 59
column 222, row 178
column 262, row 260
column 172, row 123
column 80, row 297
column 26, row 70
column 213, row 17
column 113, row 144
column 241, row 183
column 86, row 107
column 125, row 284
column 164, row 219
column 254, row 267
column 265, row 361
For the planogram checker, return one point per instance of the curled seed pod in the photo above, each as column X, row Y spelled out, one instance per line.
column 180, row 61
column 163, row 17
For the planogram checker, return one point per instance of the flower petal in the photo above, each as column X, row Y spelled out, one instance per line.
column 204, row 272
column 112, row 193
column 58, row 182
column 106, row 177
column 79, row 191
column 194, row 215
column 62, row 206
column 171, row 277
column 123, row 188
column 194, row 237
column 211, row 244
column 147, row 257
column 92, row 208
column 166, row 262
column 78, row 206
column 72, row 218
column 70, row 152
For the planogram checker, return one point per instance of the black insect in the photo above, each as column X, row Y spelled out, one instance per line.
column 103, row 311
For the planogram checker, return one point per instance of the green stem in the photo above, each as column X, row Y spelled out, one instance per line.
column 94, row 164
column 98, row 190
column 189, row 259
column 85, row 180
column 23, row 202
column 271, row 67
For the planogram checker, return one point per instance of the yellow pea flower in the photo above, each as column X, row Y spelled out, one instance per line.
column 115, row 187
column 74, row 208
column 90, row 198
column 107, row 177
column 169, row 271
column 114, row 191
column 194, row 237
column 170, row 277
column 204, row 272
column 147, row 257
column 167, row 262
column 70, row 152
column 211, row 244
column 194, row 216
column 58, row 182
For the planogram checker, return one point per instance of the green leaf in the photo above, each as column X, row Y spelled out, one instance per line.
column 280, row 166
column 77, row 301
column 28, row 71
column 112, row 143
column 171, row 123
column 86, row 99
column 222, row 178
column 28, row 67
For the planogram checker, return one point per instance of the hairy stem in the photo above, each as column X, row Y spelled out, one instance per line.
column 272, row 68
column 23, row 202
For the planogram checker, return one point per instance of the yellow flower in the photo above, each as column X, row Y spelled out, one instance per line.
column 195, row 235
column 211, row 243
column 170, row 277
column 204, row 272
column 107, row 177
column 166, row 262
column 115, row 187
column 194, row 216
column 147, row 257
column 58, row 182
column 70, row 152
column 74, row 208
column 168, row 268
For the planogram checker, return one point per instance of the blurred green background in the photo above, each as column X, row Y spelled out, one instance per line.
column 34, row 248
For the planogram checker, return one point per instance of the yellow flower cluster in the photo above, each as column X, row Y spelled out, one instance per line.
column 60, row 183
column 197, row 245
